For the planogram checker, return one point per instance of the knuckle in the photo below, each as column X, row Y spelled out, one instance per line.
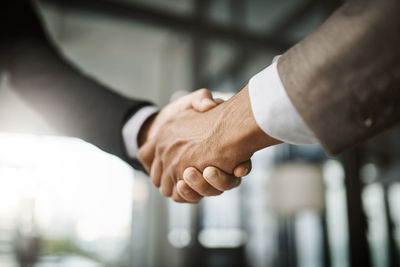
column 142, row 156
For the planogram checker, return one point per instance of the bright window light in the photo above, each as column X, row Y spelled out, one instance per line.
column 65, row 188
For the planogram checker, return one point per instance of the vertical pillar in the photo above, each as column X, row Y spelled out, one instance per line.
column 358, row 246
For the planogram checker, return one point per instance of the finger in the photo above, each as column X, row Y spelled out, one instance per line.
column 156, row 172
column 166, row 186
column 242, row 169
column 187, row 193
column 176, row 197
column 220, row 179
column 146, row 154
column 194, row 179
column 202, row 100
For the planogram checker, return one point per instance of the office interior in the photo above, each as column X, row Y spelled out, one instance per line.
column 64, row 202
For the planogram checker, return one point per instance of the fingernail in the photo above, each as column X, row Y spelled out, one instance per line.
column 210, row 173
column 246, row 171
column 207, row 102
column 191, row 176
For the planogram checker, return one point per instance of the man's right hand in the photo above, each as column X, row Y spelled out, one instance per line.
column 224, row 137
column 200, row 101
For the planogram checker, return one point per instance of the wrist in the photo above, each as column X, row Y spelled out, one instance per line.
column 244, row 132
column 146, row 130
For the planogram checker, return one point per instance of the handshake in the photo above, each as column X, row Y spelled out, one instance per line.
column 318, row 91
column 198, row 146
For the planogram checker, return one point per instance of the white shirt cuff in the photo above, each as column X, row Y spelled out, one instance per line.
column 131, row 129
column 273, row 110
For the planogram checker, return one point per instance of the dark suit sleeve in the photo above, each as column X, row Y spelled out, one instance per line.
column 344, row 78
column 74, row 104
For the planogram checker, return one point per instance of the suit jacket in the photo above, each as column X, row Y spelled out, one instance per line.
column 344, row 78
column 74, row 104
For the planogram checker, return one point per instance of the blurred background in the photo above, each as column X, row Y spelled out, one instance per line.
column 64, row 202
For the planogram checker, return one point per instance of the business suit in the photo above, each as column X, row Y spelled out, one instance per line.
column 72, row 103
column 310, row 72
column 344, row 78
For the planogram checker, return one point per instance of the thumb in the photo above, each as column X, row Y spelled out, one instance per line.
column 202, row 100
column 242, row 169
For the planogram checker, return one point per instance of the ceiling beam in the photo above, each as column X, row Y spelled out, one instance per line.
column 182, row 23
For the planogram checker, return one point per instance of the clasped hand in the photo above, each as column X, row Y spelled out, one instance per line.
column 186, row 153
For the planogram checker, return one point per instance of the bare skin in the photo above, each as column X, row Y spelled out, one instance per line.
column 202, row 149
column 199, row 101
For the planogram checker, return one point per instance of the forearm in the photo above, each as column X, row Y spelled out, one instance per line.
column 71, row 102
column 343, row 78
